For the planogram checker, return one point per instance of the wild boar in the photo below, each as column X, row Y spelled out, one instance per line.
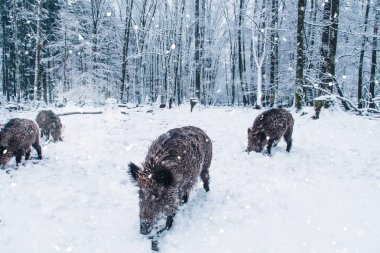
column 50, row 124
column 171, row 169
column 16, row 139
column 268, row 128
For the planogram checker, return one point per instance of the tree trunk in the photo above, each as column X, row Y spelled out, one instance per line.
column 65, row 57
column 37, row 70
column 311, row 35
column 259, row 86
column 334, row 40
column 374, row 64
column 5, row 63
column 197, row 57
column 124, row 75
column 45, row 85
column 177, row 67
column 232, row 68
column 259, row 61
column 329, row 44
column 16, row 53
column 227, row 88
column 273, row 75
column 299, row 95
column 361, row 59
column 95, row 15
column 202, row 22
column 241, row 54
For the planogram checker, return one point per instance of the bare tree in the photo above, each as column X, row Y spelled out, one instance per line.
column 241, row 52
column 329, row 44
column 126, row 38
column 299, row 95
column 374, row 63
column 178, row 56
column 198, row 49
column 259, row 61
column 361, row 57
column 37, row 67
column 5, row 50
column 274, row 53
column 96, row 15
column 16, row 59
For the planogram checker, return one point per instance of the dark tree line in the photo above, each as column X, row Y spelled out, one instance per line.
column 237, row 52
column 28, row 29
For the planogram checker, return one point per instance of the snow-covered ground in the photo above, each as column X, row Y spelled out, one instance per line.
column 322, row 197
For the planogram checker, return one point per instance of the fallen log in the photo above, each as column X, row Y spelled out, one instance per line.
column 73, row 113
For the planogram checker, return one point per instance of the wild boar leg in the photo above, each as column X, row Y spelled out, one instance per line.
column 37, row 147
column 288, row 139
column 169, row 224
column 47, row 134
column 184, row 194
column 19, row 154
column 185, row 198
column 205, row 178
column 269, row 147
column 27, row 154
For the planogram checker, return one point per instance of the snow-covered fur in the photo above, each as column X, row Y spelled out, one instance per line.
column 268, row 128
column 16, row 139
column 50, row 124
column 171, row 168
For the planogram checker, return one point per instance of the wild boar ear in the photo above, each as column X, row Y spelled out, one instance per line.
column 134, row 171
column 164, row 177
column 249, row 130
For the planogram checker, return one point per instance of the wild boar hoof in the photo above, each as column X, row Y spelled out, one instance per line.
column 155, row 245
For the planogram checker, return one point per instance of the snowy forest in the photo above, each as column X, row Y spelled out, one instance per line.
column 263, row 53
column 93, row 161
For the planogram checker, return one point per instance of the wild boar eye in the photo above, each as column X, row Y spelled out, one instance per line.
column 5, row 151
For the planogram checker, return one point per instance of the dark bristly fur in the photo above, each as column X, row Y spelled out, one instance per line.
column 171, row 168
column 268, row 128
column 16, row 139
column 50, row 124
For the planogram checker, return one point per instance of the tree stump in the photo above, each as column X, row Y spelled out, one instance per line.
column 193, row 102
column 322, row 102
column 170, row 103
